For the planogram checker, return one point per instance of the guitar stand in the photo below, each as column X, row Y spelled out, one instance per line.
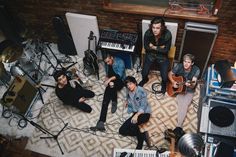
column 59, row 61
column 55, row 137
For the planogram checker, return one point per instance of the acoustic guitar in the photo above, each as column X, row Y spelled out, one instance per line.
column 171, row 91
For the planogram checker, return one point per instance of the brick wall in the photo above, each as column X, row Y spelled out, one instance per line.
column 37, row 14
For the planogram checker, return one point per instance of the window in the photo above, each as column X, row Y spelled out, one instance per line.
column 199, row 10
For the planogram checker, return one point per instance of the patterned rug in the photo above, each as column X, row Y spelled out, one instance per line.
column 78, row 140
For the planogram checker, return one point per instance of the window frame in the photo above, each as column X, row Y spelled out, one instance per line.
column 159, row 11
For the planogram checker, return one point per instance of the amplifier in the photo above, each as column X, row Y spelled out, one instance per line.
column 226, row 122
column 20, row 95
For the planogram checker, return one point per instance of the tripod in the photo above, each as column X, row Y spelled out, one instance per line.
column 59, row 61
column 55, row 137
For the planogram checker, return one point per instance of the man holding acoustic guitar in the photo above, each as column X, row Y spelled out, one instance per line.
column 183, row 79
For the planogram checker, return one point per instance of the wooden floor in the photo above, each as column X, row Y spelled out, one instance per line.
column 15, row 148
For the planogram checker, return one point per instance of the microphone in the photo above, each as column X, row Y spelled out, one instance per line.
column 90, row 35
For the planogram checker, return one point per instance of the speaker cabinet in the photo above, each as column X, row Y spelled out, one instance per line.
column 198, row 39
column 208, row 126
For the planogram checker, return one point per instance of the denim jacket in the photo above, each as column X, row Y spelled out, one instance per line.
column 118, row 67
column 139, row 102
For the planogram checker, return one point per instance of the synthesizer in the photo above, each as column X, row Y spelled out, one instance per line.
column 118, row 41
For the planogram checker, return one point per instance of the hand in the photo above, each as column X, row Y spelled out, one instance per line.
column 106, row 78
column 152, row 46
column 134, row 119
column 175, row 84
column 126, row 104
column 82, row 99
column 107, row 81
column 187, row 84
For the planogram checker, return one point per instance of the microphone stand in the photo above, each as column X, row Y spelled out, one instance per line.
column 55, row 137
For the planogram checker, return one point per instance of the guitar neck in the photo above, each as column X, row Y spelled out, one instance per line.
column 172, row 147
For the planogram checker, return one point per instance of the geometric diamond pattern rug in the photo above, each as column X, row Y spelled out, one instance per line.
column 77, row 140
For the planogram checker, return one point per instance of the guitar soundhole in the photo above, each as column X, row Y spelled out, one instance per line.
column 174, row 89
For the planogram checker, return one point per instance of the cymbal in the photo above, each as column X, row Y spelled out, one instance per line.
column 11, row 53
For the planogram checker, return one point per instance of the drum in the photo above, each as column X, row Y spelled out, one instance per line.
column 5, row 76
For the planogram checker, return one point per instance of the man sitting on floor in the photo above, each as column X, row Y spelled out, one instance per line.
column 72, row 93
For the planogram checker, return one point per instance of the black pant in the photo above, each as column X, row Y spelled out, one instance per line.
column 130, row 129
column 110, row 94
column 163, row 65
column 82, row 105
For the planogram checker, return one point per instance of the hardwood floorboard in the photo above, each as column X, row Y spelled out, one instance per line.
column 16, row 148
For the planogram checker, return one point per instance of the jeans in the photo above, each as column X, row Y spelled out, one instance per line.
column 110, row 95
column 162, row 63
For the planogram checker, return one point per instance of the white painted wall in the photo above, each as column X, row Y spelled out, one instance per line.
column 80, row 26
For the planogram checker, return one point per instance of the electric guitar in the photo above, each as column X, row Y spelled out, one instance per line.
column 171, row 91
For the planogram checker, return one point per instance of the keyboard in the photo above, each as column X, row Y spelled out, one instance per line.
column 117, row 46
column 138, row 153
column 118, row 41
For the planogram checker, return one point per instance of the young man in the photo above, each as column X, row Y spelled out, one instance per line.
column 138, row 105
column 157, row 43
column 115, row 71
column 69, row 95
column 189, row 72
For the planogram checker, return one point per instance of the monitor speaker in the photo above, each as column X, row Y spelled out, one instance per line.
column 198, row 39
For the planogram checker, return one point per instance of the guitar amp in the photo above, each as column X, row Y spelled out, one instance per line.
column 218, row 118
column 20, row 95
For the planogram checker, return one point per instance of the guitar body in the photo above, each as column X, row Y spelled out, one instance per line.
column 171, row 91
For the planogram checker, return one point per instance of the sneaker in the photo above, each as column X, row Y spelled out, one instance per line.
column 141, row 84
column 114, row 106
column 100, row 127
column 147, row 139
